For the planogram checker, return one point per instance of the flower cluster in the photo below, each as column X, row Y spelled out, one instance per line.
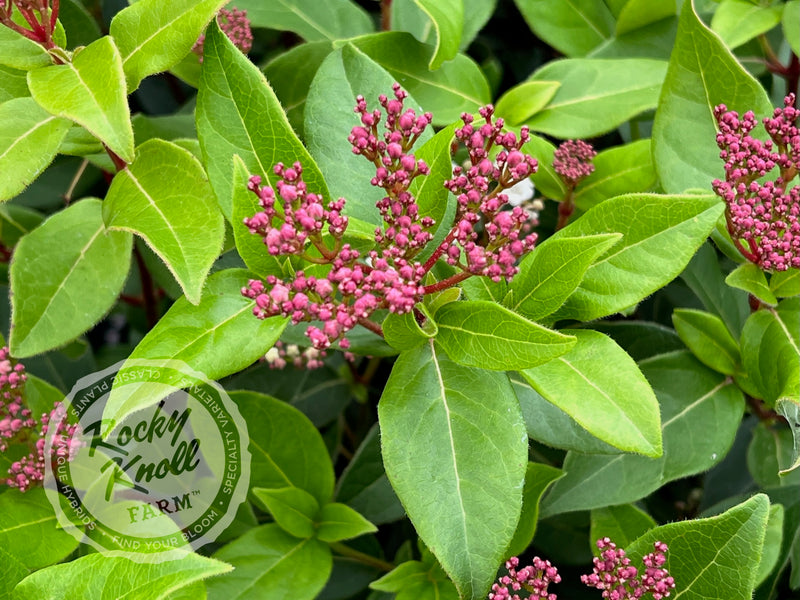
column 572, row 161
column 282, row 354
column 294, row 221
column 233, row 23
column 762, row 218
column 614, row 574
column 534, row 579
column 18, row 426
column 40, row 18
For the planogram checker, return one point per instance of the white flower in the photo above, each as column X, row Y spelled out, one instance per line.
column 520, row 192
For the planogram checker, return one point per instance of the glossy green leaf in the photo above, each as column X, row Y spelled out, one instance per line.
column 771, row 351
column 785, row 284
column 640, row 339
column 329, row 118
column 660, row 235
column 286, row 449
column 403, row 332
column 702, row 73
column 483, row 288
column 620, row 170
column 690, row 396
column 16, row 221
column 292, row 508
column 79, row 24
column 406, row 15
column 622, row 523
column 751, row 279
column 789, row 409
column 485, row 335
column 640, row 13
column 573, row 28
column 265, row 560
column 458, row 86
column 525, row 100
column 29, row 140
column 456, row 434
column 65, row 276
column 238, row 113
column 538, row 478
column 217, row 337
column 708, row 339
column 417, row 580
column 106, row 578
column 336, row 522
column 90, row 91
column 432, row 196
column 770, row 451
column 772, row 543
column 12, row 573
column 552, row 272
column 739, row 21
column 600, row 386
column 29, row 529
column 596, row 95
column 791, row 25
column 447, row 17
column 311, row 20
column 13, row 84
column 165, row 198
column 18, row 52
column 716, row 557
column 654, row 40
column 152, row 35
column 364, row 487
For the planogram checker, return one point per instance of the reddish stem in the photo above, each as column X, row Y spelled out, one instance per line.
column 446, row 283
column 439, row 251
column 386, row 15
column 565, row 209
column 120, row 164
column 373, row 327
column 21, row 30
column 54, row 15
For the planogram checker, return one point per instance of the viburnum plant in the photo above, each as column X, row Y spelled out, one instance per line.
column 508, row 293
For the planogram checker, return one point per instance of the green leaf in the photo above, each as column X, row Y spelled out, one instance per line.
column 292, row 508
column 364, row 486
column 791, row 25
column 538, row 478
column 525, row 100
column 458, row 86
column 106, row 578
column 772, row 543
column 573, row 28
column 29, row 529
column 13, row 84
column 329, row 118
column 702, row 73
column 286, row 448
column 238, row 113
column 406, row 15
column 456, row 434
column 165, row 198
column 13, row 572
column 79, row 24
column 739, row 21
column 751, row 279
column 448, row 21
column 785, row 284
column 19, row 52
column 716, row 557
column 90, row 91
column 771, row 351
column 623, row 524
column 552, row 272
column 636, row 14
column 269, row 564
column 547, row 181
column 217, row 337
column 403, row 332
column 640, row 339
column 417, row 580
column 483, row 288
column 708, row 339
column 620, row 170
column 310, row 19
column 597, row 95
column 432, row 196
column 599, row 385
column 29, row 140
column 65, row 276
column 660, row 235
column 153, row 35
column 486, row 335
column 691, row 396
column 770, row 451
column 789, row 409
column 336, row 522
column 16, row 221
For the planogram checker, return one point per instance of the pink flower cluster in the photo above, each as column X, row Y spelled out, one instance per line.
column 233, row 23
column 572, row 161
column 762, row 218
column 614, row 574
column 296, row 222
column 282, row 354
column 17, row 426
column 534, row 579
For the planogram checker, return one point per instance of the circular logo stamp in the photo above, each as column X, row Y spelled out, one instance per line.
column 166, row 478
